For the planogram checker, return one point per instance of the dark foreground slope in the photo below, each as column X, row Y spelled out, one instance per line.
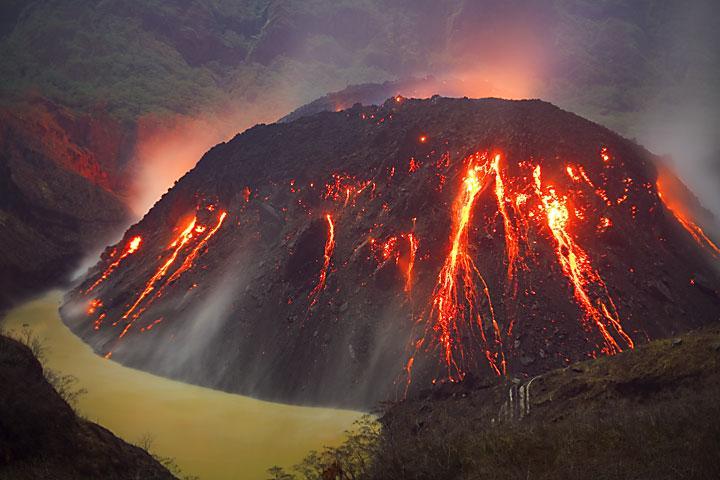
column 42, row 438
column 648, row 414
column 345, row 257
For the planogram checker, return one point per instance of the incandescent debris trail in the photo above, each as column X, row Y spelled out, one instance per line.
column 327, row 256
column 697, row 233
column 455, row 309
column 577, row 267
column 130, row 248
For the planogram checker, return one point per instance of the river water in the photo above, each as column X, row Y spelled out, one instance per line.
column 211, row 434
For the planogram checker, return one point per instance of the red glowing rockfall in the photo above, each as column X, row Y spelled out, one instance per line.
column 350, row 257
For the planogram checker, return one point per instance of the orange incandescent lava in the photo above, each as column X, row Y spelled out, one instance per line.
column 577, row 267
column 458, row 317
column 696, row 232
column 192, row 256
column 511, row 240
column 455, row 311
column 193, row 232
column 176, row 245
column 391, row 250
column 461, row 312
column 515, row 228
column 345, row 188
column 130, row 248
column 692, row 228
column 94, row 304
column 413, row 244
column 186, row 264
column 327, row 256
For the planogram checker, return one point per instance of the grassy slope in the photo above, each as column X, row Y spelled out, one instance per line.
column 650, row 413
column 647, row 414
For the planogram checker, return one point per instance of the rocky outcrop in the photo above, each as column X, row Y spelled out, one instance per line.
column 42, row 438
column 59, row 177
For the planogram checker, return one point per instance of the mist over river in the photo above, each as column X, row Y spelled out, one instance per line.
column 211, row 434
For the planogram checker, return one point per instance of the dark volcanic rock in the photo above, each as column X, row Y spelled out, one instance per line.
column 376, row 93
column 57, row 197
column 241, row 302
column 369, row 94
column 42, row 438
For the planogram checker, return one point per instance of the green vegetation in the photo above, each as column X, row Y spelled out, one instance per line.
column 83, row 53
column 606, row 59
column 354, row 459
column 647, row 414
column 138, row 57
column 64, row 384
column 147, row 441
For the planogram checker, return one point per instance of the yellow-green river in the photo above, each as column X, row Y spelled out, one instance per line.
column 210, row 434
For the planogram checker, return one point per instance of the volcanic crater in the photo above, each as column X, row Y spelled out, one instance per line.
column 346, row 258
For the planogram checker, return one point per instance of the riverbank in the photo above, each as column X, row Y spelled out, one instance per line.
column 211, row 434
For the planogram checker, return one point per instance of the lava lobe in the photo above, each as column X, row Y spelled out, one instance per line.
column 350, row 257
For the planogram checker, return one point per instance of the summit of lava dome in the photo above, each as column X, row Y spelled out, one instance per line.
column 346, row 258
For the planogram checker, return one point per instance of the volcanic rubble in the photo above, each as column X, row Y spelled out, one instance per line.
column 345, row 258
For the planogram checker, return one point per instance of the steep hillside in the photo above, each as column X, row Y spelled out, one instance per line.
column 648, row 414
column 610, row 59
column 110, row 65
column 42, row 438
column 57, row 197
column 349, row 257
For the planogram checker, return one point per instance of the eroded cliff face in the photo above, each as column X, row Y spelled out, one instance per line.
column 61, row 176
column 92, row 145
column 361, row 255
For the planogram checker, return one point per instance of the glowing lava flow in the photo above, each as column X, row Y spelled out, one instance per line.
column 192, row 256
column 345, row 188
column 578, row 269
column 696, row 232
column 177, row 245
column 454, row 314
column 692, row 228
column 188, row 234
column 186, row 264
column 391, row 250
column 413, row 244
column 511, row 241
column 327, row 256
column 130, row 248
column 515, row 229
